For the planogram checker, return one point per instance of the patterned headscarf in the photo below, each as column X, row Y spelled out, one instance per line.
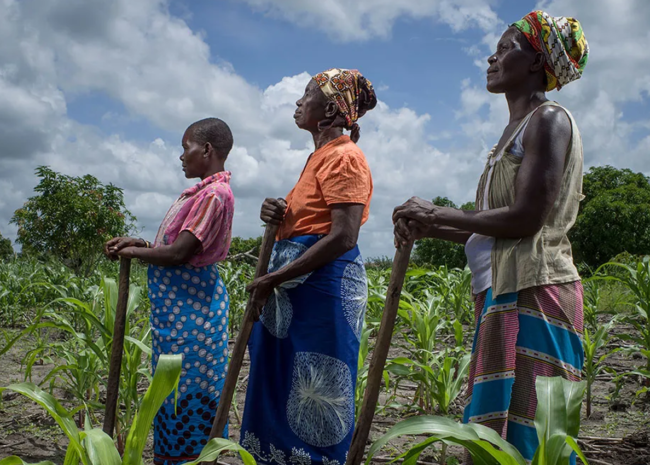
column 562, row 42
column 343, row 87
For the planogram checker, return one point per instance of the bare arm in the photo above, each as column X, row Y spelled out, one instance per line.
column 180, row 252
column 346, row 222
column 537, row 186
column 448, row 233
column 411, row 230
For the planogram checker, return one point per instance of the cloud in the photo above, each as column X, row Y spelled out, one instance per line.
column 617, row 73
column 344, row 20
column 162, row 74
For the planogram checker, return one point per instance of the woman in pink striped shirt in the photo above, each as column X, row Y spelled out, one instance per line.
column 189, row 301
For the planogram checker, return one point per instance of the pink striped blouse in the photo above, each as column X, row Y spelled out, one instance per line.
column 206, row 210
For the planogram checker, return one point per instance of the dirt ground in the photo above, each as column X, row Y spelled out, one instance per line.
column 617, row 432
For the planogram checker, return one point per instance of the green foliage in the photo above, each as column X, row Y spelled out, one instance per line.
column 557, row 421
column 240, row 245
column 6, row 249
column 71, row 218
column 436, row 252
column 25, row 285
column 93, row 447
column 80, row 353
column 236, row 277
column 593, row 345
column 614, row 216
column 636, row 278
column 479, row 440
column 438, row 374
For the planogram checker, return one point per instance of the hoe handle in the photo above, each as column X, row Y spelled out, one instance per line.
column 117, row 347
column 376, row 369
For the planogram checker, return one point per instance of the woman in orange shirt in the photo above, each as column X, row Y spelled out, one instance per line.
column 300, row 398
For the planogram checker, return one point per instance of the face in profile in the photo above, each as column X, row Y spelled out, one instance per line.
column 511, row 64
column 193, row 156
column 311, row 107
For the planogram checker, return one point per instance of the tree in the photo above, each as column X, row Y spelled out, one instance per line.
column 71, row 218
column 614, row 217
column 436, row 252
column 241, row 248
column 6, row 250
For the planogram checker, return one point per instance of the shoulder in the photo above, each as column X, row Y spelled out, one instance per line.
column 551, row 118
column 348, row 152
column 218, row 193
column 550, row 123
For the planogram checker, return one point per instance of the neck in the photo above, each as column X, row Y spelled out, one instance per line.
column 216, row 167
column 522, row 102
column 326, row 136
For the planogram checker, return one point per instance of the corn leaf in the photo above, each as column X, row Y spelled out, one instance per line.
column 165, row 380
column 216, row 446
column 57, row 412
column 13, row 460
column 100, row 448
column 576, row 448
column 473, row 437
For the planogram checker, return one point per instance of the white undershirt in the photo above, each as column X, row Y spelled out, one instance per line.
column 478, row 248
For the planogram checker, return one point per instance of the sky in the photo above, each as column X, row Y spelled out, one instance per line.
column 108, row 88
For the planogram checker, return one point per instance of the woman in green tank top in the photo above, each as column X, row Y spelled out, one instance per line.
column 528, row 292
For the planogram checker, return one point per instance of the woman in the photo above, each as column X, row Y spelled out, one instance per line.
column 529, row 296
column 189, row 302
column 300, row 398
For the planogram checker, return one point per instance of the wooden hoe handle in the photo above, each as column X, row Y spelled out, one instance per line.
column 380, row 353
column 117, row 347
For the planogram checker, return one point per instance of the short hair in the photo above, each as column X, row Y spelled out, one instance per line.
column 214, row 131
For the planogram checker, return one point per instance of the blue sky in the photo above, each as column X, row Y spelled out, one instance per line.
column 108, row 89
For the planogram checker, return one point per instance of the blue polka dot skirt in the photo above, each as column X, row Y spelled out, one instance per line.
column 189, row 316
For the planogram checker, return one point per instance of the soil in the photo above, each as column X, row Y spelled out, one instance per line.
column 618, row 432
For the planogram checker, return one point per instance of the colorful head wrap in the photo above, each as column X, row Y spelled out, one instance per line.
column 343, row 87
column 562, row 42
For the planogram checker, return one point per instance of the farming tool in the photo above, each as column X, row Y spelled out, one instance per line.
column 117, row 347
column 238, row 352
column 379, row 355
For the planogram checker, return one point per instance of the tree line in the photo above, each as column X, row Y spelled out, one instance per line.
column 69, row 219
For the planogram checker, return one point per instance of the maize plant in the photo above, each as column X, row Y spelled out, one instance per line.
column 636, row 279
column 235, row 278
column 591, row 303
column 91, row 446
column 81, row 360
column 593, row 366
column 557, row 421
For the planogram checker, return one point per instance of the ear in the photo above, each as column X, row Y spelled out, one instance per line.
column 207, row 148
column 331, row 109
column 538, row 62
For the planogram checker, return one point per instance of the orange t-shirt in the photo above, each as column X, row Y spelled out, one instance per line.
column 335, row 173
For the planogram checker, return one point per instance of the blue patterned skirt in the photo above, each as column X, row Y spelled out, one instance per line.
column 189, row 316
column 304, row 352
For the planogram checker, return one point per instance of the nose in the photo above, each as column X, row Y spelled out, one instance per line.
column 299, row 103
column 492, row 59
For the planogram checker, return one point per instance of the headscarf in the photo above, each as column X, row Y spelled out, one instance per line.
column 344, row 87
column 562, row 42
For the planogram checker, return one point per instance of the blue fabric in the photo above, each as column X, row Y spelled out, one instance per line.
column 304, row 352
column 507, row 395
column 189, row 316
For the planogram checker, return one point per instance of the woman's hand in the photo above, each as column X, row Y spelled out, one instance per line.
column 260, row 290
column 115, row 245
column 409, row 230
column 273, row 211
column 416, row 209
